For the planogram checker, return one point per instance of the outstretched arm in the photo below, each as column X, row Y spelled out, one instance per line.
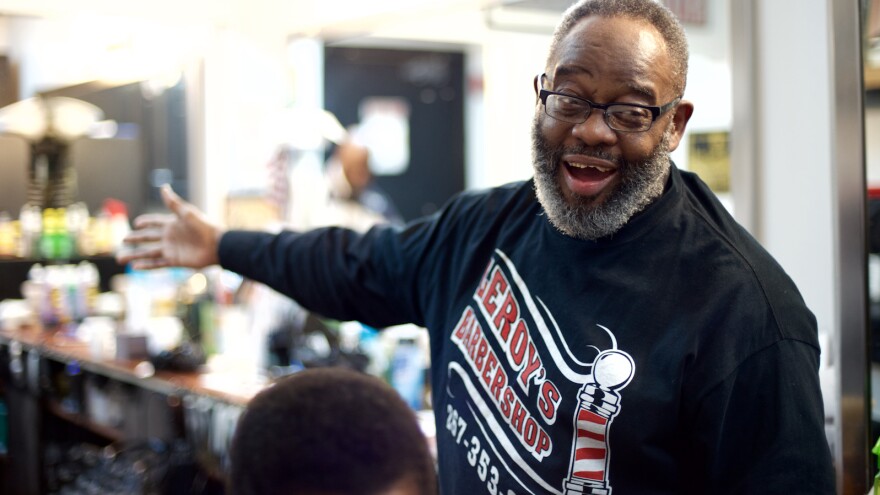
column 184, row 237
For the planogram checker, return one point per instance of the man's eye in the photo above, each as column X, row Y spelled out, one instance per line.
column 568, row 100
column 629, row 114
column 627, row 111
column 568, row 104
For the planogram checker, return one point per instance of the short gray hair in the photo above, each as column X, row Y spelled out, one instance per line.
column 648, row 10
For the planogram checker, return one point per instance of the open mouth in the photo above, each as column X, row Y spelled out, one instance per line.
column 587, row 179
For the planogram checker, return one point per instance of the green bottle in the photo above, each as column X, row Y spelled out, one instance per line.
column 876, row 451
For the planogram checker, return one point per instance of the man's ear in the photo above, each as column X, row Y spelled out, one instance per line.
column 535, row 84
column 680, row 118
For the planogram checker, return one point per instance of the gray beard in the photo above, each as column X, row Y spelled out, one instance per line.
column 640, row 184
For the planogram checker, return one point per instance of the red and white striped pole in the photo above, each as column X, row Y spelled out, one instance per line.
column 599, row 402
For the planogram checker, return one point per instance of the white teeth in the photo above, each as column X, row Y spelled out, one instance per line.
column 584, row 165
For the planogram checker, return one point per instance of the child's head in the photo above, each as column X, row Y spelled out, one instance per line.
column 330, row 431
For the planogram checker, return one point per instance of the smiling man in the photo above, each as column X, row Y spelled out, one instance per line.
column 606, row 327
column 596, row 165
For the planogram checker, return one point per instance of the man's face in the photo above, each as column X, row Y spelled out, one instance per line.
column 589, row 178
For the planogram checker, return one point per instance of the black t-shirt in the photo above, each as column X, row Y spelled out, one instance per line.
column 675, row 356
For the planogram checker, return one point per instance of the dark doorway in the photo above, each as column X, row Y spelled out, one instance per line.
column 426, row 88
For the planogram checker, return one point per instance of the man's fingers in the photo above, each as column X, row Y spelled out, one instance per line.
column 149, row 264
column 137, row 254
column 142, row 236
column 174, row 202
column 149, row 220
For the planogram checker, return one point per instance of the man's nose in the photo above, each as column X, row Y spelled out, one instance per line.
column 594, row 131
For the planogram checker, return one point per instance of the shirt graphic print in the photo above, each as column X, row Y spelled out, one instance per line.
column 531, row 413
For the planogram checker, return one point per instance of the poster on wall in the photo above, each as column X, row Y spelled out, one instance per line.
column 688, row 11
column 384, row 129
column 709, row 157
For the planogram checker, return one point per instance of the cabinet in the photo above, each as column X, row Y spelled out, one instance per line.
column 64, row 403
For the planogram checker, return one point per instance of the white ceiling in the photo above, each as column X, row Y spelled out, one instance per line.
column 438, row 20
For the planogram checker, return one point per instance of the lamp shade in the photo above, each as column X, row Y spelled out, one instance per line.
column 57, row 116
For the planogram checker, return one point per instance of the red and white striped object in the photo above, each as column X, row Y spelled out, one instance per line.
column 590, row 447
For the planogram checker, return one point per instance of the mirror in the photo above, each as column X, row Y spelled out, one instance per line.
column 125, row 72
column 871, row 39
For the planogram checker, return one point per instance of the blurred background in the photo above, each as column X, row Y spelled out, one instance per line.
column 243, row 106
column 203, row 93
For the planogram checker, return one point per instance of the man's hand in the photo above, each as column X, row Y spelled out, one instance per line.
column 184, row 237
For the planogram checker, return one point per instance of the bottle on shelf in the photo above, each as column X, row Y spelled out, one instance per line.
column 9, row 233
column 31, row 225
column 56, row 243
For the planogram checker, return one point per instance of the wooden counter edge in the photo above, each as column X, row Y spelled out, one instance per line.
column 47, row 344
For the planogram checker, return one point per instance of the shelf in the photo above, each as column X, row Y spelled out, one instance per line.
column 108, row 432
column 15, row 271
column 225, row 387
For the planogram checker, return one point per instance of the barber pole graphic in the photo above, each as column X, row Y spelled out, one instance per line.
column 599, row 403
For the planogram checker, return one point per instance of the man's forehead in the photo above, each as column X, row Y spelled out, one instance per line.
column 631, row 48
column 626, row 37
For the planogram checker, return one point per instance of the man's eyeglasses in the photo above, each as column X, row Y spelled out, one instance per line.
column 622, row 117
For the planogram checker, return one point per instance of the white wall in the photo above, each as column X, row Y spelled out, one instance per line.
column 245, row 86
column 793, row 107
column 509, row 97
column 4, row 35
column 795, row 154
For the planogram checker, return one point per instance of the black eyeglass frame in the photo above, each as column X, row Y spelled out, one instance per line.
column 656, row 111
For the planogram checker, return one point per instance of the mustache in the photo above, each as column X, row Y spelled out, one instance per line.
column 590, row 152
column 554, row 155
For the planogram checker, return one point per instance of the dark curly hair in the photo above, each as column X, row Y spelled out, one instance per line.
column 329, row 431
column 648, row 10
